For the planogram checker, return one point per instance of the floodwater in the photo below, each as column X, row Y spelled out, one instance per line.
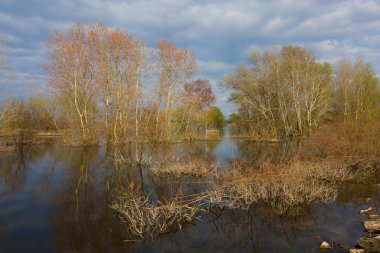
column 56, row 199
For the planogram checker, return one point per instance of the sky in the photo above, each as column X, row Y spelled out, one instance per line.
column 221, row 33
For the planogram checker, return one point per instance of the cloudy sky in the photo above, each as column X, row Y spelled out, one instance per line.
column 221, row 33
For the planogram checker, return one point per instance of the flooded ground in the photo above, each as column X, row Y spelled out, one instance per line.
column 56, row 199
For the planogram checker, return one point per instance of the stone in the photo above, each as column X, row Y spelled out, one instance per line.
column 370, row 245
column 325, row 245
column 356, row 251
column 369, row 209
column 372, row 226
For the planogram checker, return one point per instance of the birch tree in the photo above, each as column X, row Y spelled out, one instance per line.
column 72, row 71
column 357, row 90
column 96, row 72
column 285, row 92
column 175, row 67
column 121, row 59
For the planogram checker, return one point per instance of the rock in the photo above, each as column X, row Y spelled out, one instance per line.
column 325, row 245
column 372, row 226
column 370, row 245
column 374, row 216
column 356, row 251
column 369, row 209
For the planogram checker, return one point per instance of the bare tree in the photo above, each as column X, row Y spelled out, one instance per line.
column 121, row 61
column 357, row 90
column 285, row 92
column 197, row 98
column 176, row 66
column 96, row 72
column 72, row 71
column 309, row 85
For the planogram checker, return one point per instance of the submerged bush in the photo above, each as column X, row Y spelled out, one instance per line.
column 195, row 167
column 145, row 218
column 287, row 186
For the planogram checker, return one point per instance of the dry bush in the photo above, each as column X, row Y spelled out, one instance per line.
column 145, row 218
column 196, row 167
column 282, row 194
column 343, row 140
column 344, row 171
column 286, row 187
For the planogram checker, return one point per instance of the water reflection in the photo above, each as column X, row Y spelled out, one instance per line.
column 14, row 167
column 81, row 221
column 56, row 199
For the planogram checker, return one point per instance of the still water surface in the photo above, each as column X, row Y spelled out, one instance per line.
column 56, row 199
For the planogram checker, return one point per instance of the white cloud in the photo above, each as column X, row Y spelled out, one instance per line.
column 332, row 51
column 222, row 33
column 8, row 38
column 215, row 66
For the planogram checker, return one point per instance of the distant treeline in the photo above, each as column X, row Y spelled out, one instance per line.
column 288, row 92
column 108, row 86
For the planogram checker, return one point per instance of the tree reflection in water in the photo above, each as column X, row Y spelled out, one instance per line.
column 56, row 199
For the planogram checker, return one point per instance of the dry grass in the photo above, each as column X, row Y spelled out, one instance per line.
column 286, row 187
column 144, row 218
column 196, row 167
column 348, row 170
